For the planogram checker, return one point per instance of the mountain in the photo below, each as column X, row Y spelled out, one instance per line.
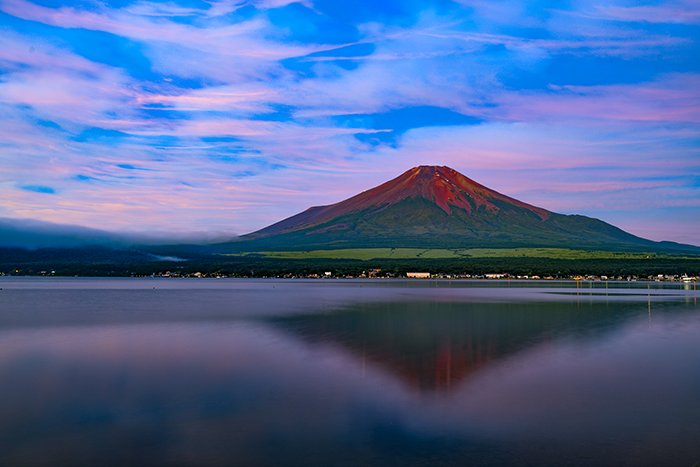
column 438, row 207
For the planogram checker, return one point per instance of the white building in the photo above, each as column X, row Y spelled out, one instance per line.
column 418, row 275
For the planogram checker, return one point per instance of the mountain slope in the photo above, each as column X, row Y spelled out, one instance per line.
column 437, row 207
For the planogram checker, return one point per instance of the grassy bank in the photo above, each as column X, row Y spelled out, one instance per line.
column 366, row 254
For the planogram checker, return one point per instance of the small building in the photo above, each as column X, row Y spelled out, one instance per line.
column 418, row 275
column 499, row 276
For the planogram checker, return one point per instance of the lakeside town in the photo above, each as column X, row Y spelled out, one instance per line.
column 379, row 274
column 368, row 273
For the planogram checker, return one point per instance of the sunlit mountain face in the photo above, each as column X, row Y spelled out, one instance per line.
column 438, row 207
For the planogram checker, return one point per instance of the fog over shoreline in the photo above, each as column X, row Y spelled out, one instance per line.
column 33, row 234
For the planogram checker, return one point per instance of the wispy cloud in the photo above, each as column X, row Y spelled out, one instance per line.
column 671, row 98
column 673, row 12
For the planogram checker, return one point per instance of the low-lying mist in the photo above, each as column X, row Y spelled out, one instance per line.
column 33, row 234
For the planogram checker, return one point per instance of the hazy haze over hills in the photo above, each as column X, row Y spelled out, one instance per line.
column 25, row 233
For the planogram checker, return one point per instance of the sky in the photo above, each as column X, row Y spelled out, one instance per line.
column 221, row 117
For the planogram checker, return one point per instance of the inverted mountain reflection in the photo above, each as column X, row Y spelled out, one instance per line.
column 434, row 346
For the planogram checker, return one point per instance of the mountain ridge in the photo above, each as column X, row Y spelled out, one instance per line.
column 438, row 207
column 442, row 185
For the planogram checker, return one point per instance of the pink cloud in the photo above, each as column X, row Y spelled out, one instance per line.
column 625, row 45
column 249, row 97
column 226, row 52
column 673, row 98
column 125, row 23
column 681, row 12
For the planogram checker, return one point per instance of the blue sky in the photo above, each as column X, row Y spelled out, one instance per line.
column 204, row 116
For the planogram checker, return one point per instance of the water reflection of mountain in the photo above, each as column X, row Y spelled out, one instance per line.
column 435, row 345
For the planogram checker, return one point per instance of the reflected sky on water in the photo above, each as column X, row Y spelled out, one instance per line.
column 237, row 372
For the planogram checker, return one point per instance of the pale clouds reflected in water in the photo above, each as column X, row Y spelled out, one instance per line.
column 346, row 373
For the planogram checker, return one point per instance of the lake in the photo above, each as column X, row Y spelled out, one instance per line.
column 348, row 372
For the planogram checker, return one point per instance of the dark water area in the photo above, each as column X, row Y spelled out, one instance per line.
column 321, row 373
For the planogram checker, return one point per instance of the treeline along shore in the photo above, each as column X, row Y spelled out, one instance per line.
column 121, row 263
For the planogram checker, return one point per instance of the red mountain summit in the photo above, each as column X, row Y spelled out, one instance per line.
column 438, row 207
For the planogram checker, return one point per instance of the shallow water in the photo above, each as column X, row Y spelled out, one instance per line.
column 326, row 372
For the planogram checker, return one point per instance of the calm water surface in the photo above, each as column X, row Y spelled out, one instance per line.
column 266, row 372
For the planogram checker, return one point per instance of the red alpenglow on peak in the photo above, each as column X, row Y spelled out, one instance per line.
column 445, row 187
column 437, row 207
column 442, row 185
